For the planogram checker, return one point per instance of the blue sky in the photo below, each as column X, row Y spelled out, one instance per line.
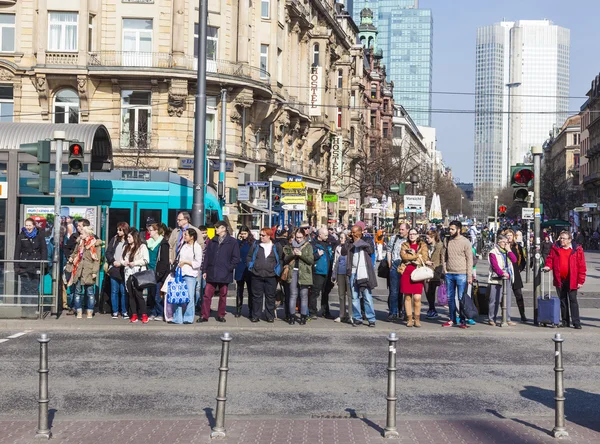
column 454, row 31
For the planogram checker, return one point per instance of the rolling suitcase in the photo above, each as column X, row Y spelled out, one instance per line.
column 548, row 306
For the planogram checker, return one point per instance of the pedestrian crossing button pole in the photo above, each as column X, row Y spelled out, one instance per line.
column 559, row 389
column 390, row 430
column 43, row 430
column 218, row 431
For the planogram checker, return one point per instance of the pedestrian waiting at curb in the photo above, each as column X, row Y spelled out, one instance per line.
column 338, row 275
column 362, row 276
column 502, row 260
column 414, row 253
column 299, row 257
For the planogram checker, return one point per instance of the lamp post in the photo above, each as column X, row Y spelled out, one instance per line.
column 461, row 199
column 510, row 86
column 413, row 180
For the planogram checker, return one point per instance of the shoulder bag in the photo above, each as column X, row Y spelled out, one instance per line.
column 421, row 273
column 177, row 291
column 144, row 279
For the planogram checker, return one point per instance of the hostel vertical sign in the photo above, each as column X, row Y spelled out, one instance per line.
column 336, row 166
column 314, row 83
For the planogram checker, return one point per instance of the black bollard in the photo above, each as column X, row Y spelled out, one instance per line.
column 390, row 430
column 218, row 431
column 559, row 390
column 43, row 430
column 505, row 282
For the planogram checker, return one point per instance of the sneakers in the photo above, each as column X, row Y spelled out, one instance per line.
column 463, row 325
column 338, row 319
column 471, row 322
column 125, row 316
column 115, row 315
column 152, row 318
column 158, row 318
column 432, row 314
column 448, row 324
column 371, row 324
column 144, row 319
column 392, row 318
column 79, row 314
column 90, row 314
column 134, row 318
column 356, row 322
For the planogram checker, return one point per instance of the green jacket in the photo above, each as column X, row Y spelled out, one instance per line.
column 305, row 263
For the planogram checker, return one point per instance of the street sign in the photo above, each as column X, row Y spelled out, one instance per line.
column 372, row 210
column 258, row 184
column 294, row 192
column 243, row 192
column 414, row 204
column 294, row 200
column 290, row 185
column 262, row 203
column 527, row 213
column 581, row 209
column 294, row 178
column 328, row 197
column 297, row 207
column 590, row 205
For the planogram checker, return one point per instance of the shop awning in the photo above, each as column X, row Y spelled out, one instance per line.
column 253, row 209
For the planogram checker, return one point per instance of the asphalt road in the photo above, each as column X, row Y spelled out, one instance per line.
column 300, row 372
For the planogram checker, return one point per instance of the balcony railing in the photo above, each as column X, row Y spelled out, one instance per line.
column 62, row 58
column 166, row 60
column 136, row 140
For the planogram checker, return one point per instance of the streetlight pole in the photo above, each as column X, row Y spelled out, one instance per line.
column 413, row 180
column 537, row 170
column 461, row 199
column 510, row 86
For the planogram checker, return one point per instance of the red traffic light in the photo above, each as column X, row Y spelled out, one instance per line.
column 75, row 149
column 523, row 177
column 502, row 209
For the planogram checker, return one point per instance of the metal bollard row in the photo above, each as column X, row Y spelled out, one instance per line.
column 218, row 431
column 43, row 430
column 390, row 430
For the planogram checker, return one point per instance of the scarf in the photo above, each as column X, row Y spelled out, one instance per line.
column 88, row 244
column 504, row 254
column 29, row 235
column 295, row 243
column 152, row 243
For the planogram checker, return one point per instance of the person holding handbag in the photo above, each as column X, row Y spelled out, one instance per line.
column 135, row 259
column 340, row 263
column 158, row 246
column 189, row 261
column 299, row 257
column 414, row 253
column 114, row 255
column 436, row 251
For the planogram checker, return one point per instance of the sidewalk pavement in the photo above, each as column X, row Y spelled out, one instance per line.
column 306, row 431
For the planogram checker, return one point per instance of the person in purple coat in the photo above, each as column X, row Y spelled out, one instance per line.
column 501, row 260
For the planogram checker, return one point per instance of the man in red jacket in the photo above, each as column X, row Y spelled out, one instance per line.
column 567, row 262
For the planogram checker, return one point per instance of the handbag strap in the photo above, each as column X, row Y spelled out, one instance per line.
column 178, row 275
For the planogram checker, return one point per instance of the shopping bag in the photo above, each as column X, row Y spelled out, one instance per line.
column 442, row 294
column 177, row 292
column 467, row 305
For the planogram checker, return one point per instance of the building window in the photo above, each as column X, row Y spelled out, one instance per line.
column 265, row 6
column 373, row 91
column 66, row 107
column 6, row 103
column 373, row 119
column 212, row 47
column 385, row 131
column 62, row 31
column 7, row 32
column 352, row 136
column 91, row 33
column 316, row 54
column 279, row 65
column 136, row 112
column 340, row 78
column 137, row 42
column 264, row 61
column 339, row 117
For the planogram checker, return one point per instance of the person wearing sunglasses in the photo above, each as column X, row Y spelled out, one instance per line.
column 502, row 261
column 414, row 252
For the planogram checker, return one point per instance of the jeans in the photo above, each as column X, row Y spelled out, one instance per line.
column 294, row 295
column 186, row 309
column 158, row 309
column 200, row 291
column 430, row 293
column 394, row 288
column 344, row 296
column 137, row 303
column 367, row 297
column 239, row 302
column 454, row 283
column 90, row 293
column 30, row 284
column 116, row 288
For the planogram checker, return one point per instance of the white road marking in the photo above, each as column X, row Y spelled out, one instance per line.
column 17, row 335
column 3, row 340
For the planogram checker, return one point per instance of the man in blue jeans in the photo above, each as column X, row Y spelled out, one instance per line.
column 457, row 264
column 362, row 276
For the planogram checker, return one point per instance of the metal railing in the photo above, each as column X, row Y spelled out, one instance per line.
column 62, row 58
column 25, row 288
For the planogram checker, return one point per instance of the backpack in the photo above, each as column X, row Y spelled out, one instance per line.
column 255, row 252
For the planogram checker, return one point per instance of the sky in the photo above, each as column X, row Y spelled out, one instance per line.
column 455, row 24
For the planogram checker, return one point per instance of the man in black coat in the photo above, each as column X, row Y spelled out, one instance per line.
column 222, row 256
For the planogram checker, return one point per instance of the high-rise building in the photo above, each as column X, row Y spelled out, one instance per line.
column 406, row 39
column 521, row 90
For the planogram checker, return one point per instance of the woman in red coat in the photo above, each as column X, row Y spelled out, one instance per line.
column 567, row 262
column 414, row 252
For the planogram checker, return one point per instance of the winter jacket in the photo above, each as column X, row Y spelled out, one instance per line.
column 174, row 240
column 336, row 259
column 436, row 257
column 220, row 260
column 500, row 263
column 27, row 249
column 364, row 248
column 305, row 263
column 265, row 266
column 577, row 266
column 163, row 266
column 422, row 253
column 138, row 263
column 519, row 265
column 109, row 253
column 71, row 244
column 324, row 262
column 88, row 267
column 242, row 266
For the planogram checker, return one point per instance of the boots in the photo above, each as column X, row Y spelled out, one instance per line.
column 79, row 314
column 522, row 312
column 408, row 308
column 292, row 320
column 417, row 313
column 238, row 311
column 90, row 314
column 302, row 320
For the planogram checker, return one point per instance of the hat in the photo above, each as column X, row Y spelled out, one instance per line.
column 150, row 220
column 360, row 224
column 304, row 224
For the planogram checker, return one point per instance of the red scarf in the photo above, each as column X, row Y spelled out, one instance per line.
column 90, row 244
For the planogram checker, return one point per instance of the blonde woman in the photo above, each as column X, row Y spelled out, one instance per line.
column 86, row 263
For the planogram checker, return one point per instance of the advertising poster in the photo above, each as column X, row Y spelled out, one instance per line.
column 43, row 215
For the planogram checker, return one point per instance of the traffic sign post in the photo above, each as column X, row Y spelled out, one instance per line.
column 258, row 184
column 293, row 200
column 293, row 185
column 414, row 204
column 527, row 213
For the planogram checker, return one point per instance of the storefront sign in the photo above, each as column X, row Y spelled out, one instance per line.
column 294, row 200
column 329, row 197
column 243, row 192
column 343, row 205
column 352, row 205
column 337, row 174
column 314, row 82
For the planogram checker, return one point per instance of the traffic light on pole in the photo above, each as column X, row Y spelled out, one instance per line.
column 521, row 178
column 276, row 202
column 75, row 157
column 502, row 210
column 41, row 151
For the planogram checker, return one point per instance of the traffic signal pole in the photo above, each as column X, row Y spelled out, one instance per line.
column 59, row 137
column 537, row 170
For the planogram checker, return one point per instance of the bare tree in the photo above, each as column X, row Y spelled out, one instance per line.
column 559, row 195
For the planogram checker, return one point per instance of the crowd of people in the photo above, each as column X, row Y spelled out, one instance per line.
column 298, row 268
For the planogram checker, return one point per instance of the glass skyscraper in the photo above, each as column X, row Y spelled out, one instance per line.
column 521, row 90
column 406, row 39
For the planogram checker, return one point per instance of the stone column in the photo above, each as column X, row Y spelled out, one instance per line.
column 242, row 22
column 82, row 32
column 178, row 28
column 42, row 32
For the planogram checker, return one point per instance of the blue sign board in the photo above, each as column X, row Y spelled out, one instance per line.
column 257, row 184
column 294, row 179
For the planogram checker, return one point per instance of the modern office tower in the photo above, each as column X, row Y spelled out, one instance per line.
column 521, row 90
column 406, row 39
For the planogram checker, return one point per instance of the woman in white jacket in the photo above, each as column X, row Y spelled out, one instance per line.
column 135, row 259
column 338, row 274
column 189, row 261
